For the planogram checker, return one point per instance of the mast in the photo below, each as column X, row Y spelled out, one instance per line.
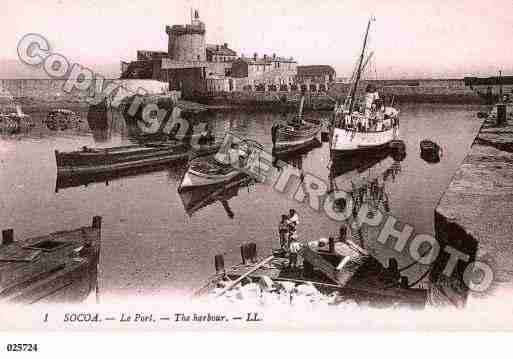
column 359, row 71
column 301, row 104
column 500, row 85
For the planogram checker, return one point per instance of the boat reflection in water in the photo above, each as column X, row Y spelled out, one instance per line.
column 295, row 156
column 174, row 170
column 364, row 177
column 200, row 197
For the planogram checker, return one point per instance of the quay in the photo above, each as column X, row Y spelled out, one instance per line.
column 475, row 214
column 60, row 267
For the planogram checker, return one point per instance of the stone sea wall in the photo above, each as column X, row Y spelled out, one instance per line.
column 325, row 100
column 40, row 92
column 475, row 214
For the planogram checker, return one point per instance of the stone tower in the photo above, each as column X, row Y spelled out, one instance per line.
column 187, row 43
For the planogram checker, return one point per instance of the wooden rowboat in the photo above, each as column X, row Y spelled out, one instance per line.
column 100, row 160
column 61, row 267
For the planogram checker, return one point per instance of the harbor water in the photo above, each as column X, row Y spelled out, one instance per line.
column 153, row 242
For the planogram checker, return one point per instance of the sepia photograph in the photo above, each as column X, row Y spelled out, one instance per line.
column 288, row 165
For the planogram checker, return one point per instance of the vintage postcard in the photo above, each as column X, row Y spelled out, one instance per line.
column 269, row 165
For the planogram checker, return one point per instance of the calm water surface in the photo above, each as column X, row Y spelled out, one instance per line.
column 150, row 243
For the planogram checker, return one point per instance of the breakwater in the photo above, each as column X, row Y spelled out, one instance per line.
column 41, row 93
column 454, row 92
column 37, row 93
column 475, row 214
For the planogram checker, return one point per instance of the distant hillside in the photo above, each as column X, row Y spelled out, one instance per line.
column 15, row 69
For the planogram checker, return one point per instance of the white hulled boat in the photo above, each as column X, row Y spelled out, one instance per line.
column 216, row 168
column 365, row 124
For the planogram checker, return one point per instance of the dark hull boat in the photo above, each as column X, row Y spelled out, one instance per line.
column 342, row 270
column 101, row 160
column 294, row 134
column 291, row 137
column 13, row 122
column 61, row 267
column 430, row 151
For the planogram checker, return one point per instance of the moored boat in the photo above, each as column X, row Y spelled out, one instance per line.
column 15, row 121
column 60, row 267
column 206, row 170
column 294, row 133
column 367, row 124
column 332, row 272
column 430, row 151
column 98, row 160
column 211, row 169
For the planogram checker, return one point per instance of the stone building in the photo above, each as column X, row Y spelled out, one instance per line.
column 144, row 55
column 187, row 42
column 220, row 59
column 142, row 69
column 315, row 77
column 195, row 68
column 220, row 53
column 268, row 72
column 147, row 66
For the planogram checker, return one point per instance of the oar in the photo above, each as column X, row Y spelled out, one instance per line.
column 257, row 266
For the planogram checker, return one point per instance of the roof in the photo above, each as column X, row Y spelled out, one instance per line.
column 142, row 69
column 315, row 70
column 222, row 50
column 266, row 61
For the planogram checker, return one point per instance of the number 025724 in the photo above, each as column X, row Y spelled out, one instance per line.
column 21, row 347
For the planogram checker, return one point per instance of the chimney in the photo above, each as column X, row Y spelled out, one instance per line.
column 225, row 45
column 265, row 57
column 217, row 47
column 274, row 56
column 255, row 55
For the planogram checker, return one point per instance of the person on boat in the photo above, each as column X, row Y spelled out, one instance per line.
column 294, row 248
column 371, row 95
column 293, row 217
column 342, row 233
column 234, row 155
column 283, row 229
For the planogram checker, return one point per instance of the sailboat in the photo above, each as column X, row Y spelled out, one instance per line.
column 363, row 125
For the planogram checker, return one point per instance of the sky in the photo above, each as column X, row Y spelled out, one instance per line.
column 410, row 38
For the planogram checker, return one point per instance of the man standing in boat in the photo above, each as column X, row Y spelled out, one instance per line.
column 293, row 218
column 283, row 229
column 294, row 248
